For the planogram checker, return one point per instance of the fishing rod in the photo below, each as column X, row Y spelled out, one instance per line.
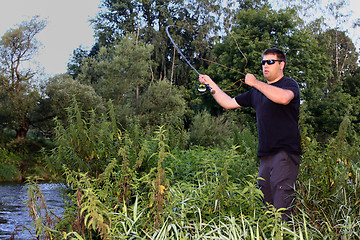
column 200, row 87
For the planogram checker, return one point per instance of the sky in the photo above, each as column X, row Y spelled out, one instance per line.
column 351, row 9
column 68, row 27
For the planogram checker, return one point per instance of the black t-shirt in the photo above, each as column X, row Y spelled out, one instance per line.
column 277, row 124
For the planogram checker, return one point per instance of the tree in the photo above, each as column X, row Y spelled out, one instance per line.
column 162, row 104
column 327, row 98
column 257, row 30
column 119, row 69
column 201, row 20
column 117, row 18
column 253, row 4
column 61, row 92
column 19, row 95
column 74, row 66
column 351, row 83
column 80, row 55
column 343, row 53
column 351, row 86
column 336, row 101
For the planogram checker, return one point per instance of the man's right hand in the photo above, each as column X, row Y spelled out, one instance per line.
column 205, row 79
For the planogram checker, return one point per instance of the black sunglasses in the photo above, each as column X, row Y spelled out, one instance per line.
column 270, row 61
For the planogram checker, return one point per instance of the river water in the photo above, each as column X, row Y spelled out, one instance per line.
column 14, row 216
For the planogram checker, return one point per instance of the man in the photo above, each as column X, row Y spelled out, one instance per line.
column 277, row 105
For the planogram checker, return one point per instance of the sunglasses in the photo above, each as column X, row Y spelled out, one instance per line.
column 270, row 61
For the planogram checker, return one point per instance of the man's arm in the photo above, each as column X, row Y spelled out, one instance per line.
column 275, row 94
column 220, row 96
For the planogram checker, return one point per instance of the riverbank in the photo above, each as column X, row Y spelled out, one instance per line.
column 21, row 159
column 18, row 174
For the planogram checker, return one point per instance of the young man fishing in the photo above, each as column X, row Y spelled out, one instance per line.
column 277, row 105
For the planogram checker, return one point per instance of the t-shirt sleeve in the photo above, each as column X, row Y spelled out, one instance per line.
column 244, row 99
column 293, row 86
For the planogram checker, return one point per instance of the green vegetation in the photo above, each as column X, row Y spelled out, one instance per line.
column 120, row 188
column 144, row 156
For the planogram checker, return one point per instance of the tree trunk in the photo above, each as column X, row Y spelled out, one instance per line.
column 23, row 130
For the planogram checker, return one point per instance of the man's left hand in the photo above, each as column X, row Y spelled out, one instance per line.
column 250, row 79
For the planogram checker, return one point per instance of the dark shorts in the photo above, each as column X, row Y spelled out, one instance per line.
column 278, row 173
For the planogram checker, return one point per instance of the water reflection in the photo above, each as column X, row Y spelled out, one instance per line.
column 13, row 215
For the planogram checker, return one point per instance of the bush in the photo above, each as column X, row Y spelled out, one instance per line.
column 9, row 173
column 161, row 104
column 207, row 130
column 9, row 166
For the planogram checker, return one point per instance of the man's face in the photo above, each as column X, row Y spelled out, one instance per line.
column 273, row 72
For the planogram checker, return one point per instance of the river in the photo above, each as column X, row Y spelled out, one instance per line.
column 13, row 213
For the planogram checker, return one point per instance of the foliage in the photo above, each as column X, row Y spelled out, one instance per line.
column 151, row 191
column 119, row 69
column 61, row 92
column 162, row 103
column 9, row 163
column 206, row 130
column 149, row 19
column 159, row 183
column 44, row 220
column 219, row 177
column 78, row 142
column 91, row 213
column 20, row 158
column 330, row 195
column 93, row 199
column 326, row 120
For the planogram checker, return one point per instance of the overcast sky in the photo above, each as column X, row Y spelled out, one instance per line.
column 68, row 26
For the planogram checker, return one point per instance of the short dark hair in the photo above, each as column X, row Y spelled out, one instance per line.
column 280, row 54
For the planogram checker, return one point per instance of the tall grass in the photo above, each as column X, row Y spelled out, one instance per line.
column 146, row 190
column 329, row 185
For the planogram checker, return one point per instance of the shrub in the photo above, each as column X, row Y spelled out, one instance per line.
column 9, row 166
column 207, row 130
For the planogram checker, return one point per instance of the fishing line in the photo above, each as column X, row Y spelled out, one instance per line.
column 227, row 88
column 246, row 63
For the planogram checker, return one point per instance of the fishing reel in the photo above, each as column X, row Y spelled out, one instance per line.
column 202, row 88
